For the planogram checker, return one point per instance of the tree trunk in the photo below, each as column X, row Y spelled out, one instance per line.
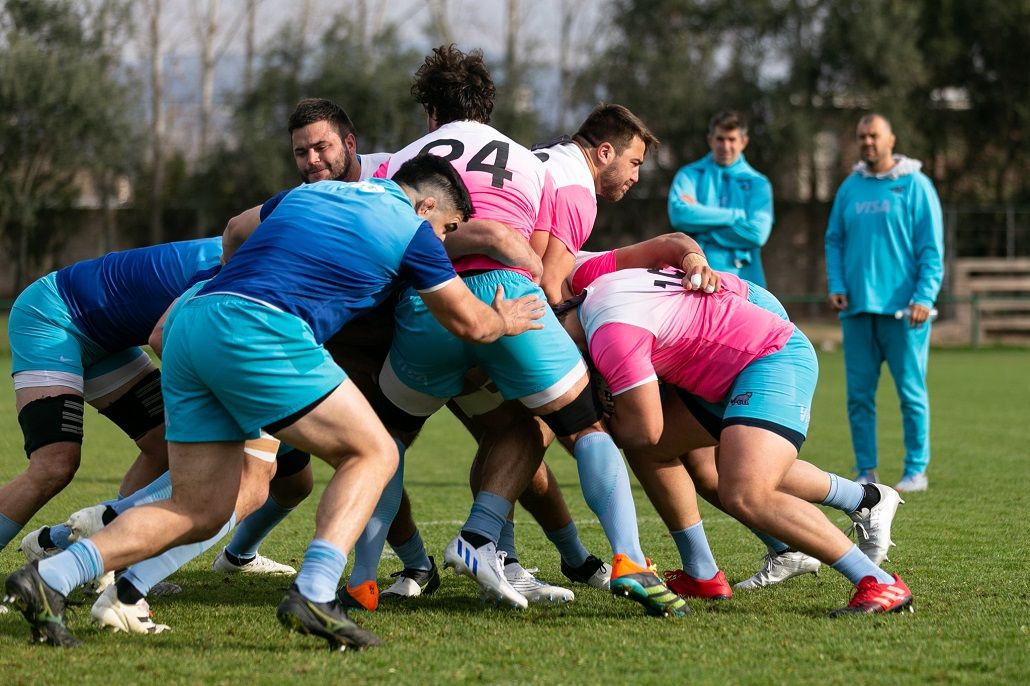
column 157, row 123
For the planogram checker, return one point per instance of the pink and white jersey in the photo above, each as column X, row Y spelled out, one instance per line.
column 506, row 181
column 370, row 163
column 642, row 325
column 574, row 209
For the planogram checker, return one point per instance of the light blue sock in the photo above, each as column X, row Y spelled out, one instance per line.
column 66, row 571
column 506, row 541
column 158, row 489
column 255, row 527
column 695, row 555
column 146, row 574
column 566, row 540
column 321, row 571
column 856, row 566
column 413, row 553
column 368, row 549
column 844, row 495
column 59, row 535
column 773, row 544
column 605, row 483
column 488, row 515
column 8, row 530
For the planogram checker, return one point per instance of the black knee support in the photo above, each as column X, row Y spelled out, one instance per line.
column 290, row 462
column 140, row 409
column 576, row 416
column 57, row 419
column 393, row 417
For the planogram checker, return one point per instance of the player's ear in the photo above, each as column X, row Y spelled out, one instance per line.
column 605, row 152
column 425, row 206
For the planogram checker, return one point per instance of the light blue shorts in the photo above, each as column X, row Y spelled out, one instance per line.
column 45, row 339
column 773, row 392
column 232, row 366
column 427, row 363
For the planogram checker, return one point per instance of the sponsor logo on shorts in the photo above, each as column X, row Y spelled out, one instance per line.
column 806, row 414
column 742, row 399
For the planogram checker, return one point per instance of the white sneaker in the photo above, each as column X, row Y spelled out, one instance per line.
column 780, row 567
column 913, row 482
column 86, row 522
column 872, row 526
column 31, row 548
column 111, row 613
column 533, row 589
column 259, row 565
column 485, row 566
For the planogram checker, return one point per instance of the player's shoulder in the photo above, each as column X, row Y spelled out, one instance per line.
column 370, row 162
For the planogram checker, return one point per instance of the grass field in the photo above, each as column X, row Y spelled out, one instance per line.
column 962, row 547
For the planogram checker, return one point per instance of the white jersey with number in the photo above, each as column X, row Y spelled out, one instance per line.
column 506, row 181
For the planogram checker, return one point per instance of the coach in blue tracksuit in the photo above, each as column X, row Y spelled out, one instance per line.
column 884, row 255
column 723, row 203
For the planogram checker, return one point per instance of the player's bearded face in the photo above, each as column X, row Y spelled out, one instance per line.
column 320, row 154
column 624, row 171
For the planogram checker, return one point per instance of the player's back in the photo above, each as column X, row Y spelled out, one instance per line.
column 505, row 180
column 118, row 298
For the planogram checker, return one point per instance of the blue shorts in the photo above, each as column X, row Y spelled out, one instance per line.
column 48, row 349
column 233, row 366
column 427, row 363
column 773, row 392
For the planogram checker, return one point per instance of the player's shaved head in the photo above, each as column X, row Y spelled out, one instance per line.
column 873, row 117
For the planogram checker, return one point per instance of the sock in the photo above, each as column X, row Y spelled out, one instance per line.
column 59, row 536
column 487, row 518
column 773, row 544
column 566, row 540
column 368, row 549
column 126, row 592
column 605, row 483
column 856, row 566
column 67, row 571
column 158, row 489
column 254, row 528
column 146, row 574
column 321, row 571
column 8, row 530
column 695, row 555
column 845, row 495
column 506, row 542
column 413, row 553
column 870, row 498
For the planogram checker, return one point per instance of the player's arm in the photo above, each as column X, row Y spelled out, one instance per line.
column 686, row 214
column 239, row 230
column 156, row 340
column 558, row 263
column 670, row 250
column 495, row 240
column 470, row 319
column 638, row 421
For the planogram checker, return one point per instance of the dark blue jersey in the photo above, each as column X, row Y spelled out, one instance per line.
column 330, row 251
column 117, row 299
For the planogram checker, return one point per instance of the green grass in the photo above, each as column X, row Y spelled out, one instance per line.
column 962, row 547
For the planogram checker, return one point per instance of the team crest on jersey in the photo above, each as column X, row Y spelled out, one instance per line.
column 741, row 399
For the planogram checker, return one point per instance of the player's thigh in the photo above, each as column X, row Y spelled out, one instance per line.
column 342, row 425
column 206, row 477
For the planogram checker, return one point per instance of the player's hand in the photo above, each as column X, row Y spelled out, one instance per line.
column 699, row 276
column 919, row 314
column 519, row 314
column 838, row 301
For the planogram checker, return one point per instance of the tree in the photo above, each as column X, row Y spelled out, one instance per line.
column 64, row 112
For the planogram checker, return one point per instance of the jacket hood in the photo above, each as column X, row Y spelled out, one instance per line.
column 903, row 166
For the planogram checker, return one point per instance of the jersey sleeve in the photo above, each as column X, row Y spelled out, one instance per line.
column 587, row 271
column 425, row 265
column 622, row 353
column 545, row 216
column 272, row 203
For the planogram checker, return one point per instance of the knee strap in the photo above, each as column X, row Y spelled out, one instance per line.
column 57, row 419
column 576, row 416
column 140, row 409
column 290, row 462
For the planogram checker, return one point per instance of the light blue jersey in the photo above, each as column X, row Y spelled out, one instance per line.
column 330, row 251
column 885, row 240
column 731, row 217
